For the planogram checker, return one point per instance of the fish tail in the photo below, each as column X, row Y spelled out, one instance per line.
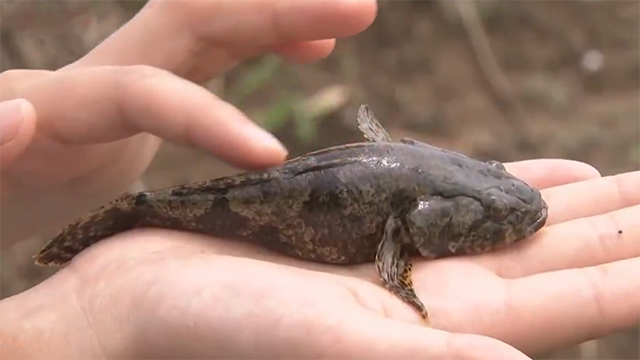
column 118, row 216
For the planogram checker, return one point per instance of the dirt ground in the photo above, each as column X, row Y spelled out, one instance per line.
column 573, row 84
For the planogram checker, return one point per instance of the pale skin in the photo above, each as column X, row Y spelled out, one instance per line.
column 153, row 293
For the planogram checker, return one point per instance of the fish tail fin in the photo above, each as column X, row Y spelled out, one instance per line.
column 116, row 217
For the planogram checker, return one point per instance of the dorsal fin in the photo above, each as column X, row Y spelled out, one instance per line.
column 370, row 126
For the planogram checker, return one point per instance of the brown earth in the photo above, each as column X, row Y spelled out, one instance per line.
column 418, row 70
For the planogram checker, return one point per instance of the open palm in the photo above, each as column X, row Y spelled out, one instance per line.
column 191, row 295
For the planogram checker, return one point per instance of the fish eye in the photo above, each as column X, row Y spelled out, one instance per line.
column 496, row 164
column 498, row 209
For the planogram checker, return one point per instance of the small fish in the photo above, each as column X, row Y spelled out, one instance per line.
column 377, row 201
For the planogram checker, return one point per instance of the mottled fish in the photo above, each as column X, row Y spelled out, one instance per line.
column 377, row 201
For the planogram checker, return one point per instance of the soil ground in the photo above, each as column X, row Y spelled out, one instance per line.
column 418, row 70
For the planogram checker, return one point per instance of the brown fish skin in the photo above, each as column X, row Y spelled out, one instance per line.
column 335, row 206
column 328, row 206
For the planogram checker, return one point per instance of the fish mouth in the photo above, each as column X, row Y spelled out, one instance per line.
column 540, row 220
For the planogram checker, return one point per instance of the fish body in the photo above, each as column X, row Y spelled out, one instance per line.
column 376, row 201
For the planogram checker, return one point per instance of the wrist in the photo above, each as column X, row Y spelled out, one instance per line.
column 45, row 322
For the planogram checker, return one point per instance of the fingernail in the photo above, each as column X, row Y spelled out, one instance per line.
column 269, row 140
column 11, row 117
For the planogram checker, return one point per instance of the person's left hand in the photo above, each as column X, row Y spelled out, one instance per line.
column 154, row 293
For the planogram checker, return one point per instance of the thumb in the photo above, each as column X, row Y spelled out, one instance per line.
column 17, row 126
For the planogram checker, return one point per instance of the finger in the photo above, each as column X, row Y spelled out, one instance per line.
column 182, row 36
column 303, row 52
column 609, row 205
column 588, row 198
column 563, row 308
column 545, row 173
column 383, row 338
column 125, row 101
column 578, row 243
column 17, row 126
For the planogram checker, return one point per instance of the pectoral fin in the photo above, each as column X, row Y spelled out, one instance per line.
column 394, row 267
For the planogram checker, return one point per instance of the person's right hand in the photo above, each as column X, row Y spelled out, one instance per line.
column 157, row 293
column 95, row 130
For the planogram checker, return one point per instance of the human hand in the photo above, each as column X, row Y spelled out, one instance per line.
column 100, row 125
column 157, row 293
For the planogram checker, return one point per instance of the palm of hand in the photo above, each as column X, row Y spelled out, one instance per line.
column 210, row 296
column 522, row 295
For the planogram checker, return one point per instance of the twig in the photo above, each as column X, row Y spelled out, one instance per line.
column 548, row 26
column 325, row 101
column 589, row 349
column 499, row 85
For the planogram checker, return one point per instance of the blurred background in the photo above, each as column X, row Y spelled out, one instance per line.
column 504, row 80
